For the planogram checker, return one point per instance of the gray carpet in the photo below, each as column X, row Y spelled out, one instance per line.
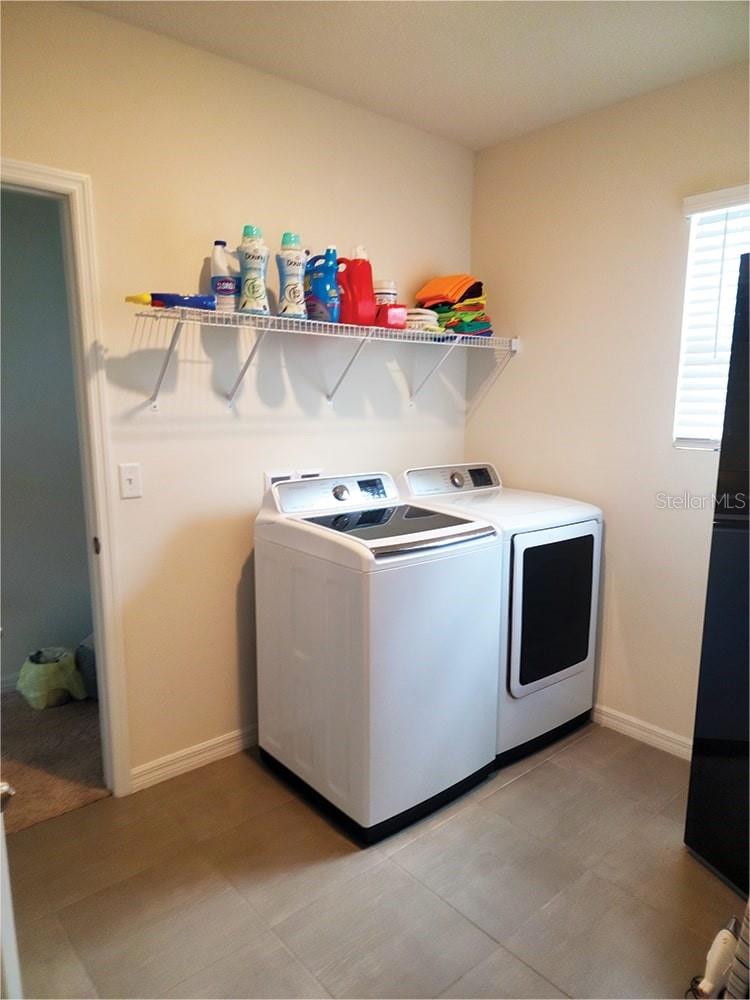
column 52, row 759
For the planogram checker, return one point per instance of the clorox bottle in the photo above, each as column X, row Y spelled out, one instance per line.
column 321, row 287
column 225, row 277
column 254, row 263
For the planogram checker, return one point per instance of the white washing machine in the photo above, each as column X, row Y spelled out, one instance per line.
column 377, row 678
column 548, row 598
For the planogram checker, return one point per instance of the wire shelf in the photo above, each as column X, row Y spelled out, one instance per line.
column 316, row 328
column 178, row 318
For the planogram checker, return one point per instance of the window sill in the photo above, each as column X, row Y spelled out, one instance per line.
column 696, row 444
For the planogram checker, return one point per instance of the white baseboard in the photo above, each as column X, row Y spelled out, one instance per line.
column 188, row 759
column 646, row 732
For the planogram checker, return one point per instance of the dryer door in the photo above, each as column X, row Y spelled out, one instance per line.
column 554, row 589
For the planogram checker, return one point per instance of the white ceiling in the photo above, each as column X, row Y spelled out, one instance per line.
column 474, row 72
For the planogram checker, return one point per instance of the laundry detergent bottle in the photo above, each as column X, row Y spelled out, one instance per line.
column 321, row 287
column 291, row 264
column 355, row 287
column 254, row 264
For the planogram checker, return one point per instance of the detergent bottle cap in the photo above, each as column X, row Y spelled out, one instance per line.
column 252, row 232
column 220, row 243
column 360, row 253
column 291, row 241
column 331, row 252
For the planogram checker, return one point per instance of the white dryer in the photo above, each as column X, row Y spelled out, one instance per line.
column 548, row 598
column 377, row 676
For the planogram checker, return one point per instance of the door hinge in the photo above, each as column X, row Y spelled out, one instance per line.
column 97, row 545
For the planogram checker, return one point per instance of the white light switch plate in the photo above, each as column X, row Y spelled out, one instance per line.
column 131, row 485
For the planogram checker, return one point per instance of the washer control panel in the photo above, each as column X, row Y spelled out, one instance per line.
column 451, row 479
column 310, row 495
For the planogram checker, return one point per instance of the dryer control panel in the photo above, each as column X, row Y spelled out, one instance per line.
column 451, row 479
column 341, row 492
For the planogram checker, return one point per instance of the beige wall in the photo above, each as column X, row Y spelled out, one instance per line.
column 578, row 232
column 184, row 147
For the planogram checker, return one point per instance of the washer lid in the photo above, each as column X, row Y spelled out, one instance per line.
column 388, row 522
column 402, row 528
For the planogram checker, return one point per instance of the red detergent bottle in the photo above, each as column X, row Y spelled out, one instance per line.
column 356, row 290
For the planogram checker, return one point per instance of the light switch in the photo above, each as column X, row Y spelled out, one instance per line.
column 131, row 485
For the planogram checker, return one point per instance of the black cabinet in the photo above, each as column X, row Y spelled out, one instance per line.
column 716, row 827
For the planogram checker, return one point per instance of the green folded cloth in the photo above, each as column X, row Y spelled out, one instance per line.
column 476, row 329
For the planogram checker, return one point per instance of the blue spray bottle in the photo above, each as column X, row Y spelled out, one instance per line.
column 321, row 287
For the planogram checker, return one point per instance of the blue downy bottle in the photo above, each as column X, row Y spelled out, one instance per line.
column 321, row 287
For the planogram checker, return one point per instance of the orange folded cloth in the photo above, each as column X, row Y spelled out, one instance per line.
column 448, row 288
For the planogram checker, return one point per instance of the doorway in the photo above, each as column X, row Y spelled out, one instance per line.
column 72, row 193
column 51, row 747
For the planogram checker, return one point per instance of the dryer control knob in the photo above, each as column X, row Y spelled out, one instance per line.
column 457, row 479
column 341, row 492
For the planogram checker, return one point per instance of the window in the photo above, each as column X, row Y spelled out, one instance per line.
column 719, row 234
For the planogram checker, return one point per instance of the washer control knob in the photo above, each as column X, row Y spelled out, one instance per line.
column 341, row 492
column 457, row 479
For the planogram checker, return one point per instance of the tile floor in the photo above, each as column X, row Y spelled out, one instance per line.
column 563, row 874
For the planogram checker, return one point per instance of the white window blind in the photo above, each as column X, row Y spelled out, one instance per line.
column 718, row 236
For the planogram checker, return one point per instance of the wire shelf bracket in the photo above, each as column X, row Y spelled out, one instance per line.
column 433, row 371
column 154, row 397
column 345, row 372
column 259, row 338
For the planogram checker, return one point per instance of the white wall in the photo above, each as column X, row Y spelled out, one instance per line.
column 184, row 147
column 45, row 584
column 578, row 232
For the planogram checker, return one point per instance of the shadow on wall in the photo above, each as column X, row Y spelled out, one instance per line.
column 600, row 612
column 137, row 371
column 287, row 366
column 247, row 666
column 482, row 368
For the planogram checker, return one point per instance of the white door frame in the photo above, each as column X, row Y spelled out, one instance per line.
column 75, row 192
column 10, row 975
